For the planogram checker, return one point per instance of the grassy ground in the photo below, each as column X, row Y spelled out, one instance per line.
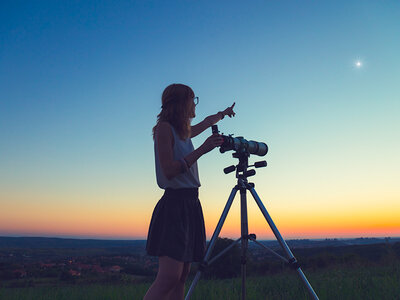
column 374, row 282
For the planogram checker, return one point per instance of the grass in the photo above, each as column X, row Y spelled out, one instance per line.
column 364, row 282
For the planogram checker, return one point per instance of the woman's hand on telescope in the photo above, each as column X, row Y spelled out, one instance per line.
column 211, row 142
column 229, row 111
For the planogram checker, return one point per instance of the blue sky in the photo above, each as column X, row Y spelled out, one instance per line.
column 80, row 87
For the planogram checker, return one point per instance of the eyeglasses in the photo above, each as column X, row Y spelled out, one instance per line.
column 196, row 100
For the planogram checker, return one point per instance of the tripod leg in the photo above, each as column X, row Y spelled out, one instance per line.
column 212, row 242
column 285, row 247
column 245, row 241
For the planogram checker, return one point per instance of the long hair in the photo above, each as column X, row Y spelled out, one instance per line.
column 176, row 108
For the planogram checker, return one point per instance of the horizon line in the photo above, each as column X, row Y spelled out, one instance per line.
column 144, row 239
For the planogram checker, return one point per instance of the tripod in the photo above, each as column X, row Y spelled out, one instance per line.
column 243, row 185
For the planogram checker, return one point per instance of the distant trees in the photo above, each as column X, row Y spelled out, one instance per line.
column 228, row 265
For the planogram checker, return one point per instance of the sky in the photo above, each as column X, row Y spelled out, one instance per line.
column 80, row 89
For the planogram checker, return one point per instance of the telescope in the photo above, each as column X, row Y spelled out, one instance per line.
column 240, row 144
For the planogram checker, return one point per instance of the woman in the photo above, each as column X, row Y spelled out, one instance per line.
column 176, row 233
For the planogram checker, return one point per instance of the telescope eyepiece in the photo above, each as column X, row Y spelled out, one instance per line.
column 214, row 129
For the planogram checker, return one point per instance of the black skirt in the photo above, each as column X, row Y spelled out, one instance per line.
column 177, row 226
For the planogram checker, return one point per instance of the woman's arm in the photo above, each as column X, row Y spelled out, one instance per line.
column 206, row 123
column 165, row 143
column 211, row 120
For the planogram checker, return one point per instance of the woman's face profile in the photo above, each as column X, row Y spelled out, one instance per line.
column 193, row 107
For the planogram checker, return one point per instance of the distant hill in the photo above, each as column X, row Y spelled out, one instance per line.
column 45, row 242
column 311, row 243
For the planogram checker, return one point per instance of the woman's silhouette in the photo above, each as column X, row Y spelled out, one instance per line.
column 176, row 232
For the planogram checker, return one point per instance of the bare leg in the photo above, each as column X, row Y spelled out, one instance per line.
column 168, row 276
column 179, row 291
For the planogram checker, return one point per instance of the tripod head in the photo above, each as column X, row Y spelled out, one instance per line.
column 242, row 167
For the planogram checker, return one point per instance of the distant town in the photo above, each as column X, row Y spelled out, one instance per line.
column 24, row 260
